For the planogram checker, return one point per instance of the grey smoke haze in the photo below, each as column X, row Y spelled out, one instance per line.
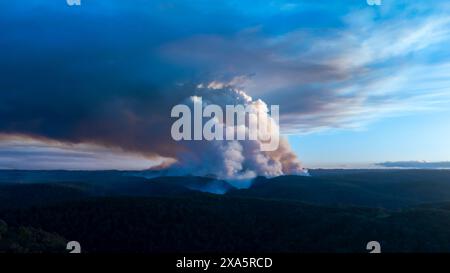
column 107, row 74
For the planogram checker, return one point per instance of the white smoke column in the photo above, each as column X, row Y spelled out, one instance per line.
column 236, row 159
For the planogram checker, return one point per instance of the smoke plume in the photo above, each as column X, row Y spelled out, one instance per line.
column 235, row 159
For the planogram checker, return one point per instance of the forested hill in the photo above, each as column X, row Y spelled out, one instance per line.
column 406, row 211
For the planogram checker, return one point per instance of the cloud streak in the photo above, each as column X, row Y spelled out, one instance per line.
column 416, row 165
column 340, row 78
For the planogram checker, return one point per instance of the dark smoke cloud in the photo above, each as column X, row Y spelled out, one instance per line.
column 109, row 72
column 96, row 76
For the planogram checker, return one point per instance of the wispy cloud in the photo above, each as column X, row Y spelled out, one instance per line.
column 416, row 165
column 19, row 152
column 342, row 77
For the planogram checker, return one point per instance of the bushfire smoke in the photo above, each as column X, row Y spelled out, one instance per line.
column 236, row 159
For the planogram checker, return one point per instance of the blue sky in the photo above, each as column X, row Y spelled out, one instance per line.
column 356, row 84
column 420, row 137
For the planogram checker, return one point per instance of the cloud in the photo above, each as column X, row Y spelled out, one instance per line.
column 343, row 77
column 20, row 152
column 108, row 74
column 416, row 165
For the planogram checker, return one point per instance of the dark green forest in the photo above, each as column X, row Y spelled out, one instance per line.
column 330, row 211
